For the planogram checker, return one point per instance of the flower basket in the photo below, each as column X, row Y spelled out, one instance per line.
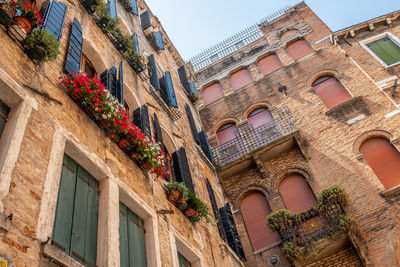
column 89, row 111
column 135, row 155
column 76, row 96
column 190, row 212
column 124, row 143
column 7, row 13
column 182, row 206
column 38, row 53
column 145, row 166
column 40, row 45
column 20, row 28
column 174, row 196
column 104, row 124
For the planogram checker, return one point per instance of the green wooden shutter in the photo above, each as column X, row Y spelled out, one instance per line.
column 132, row 240
column 183, row 262
column 65, row 205
column 4, row 111
column 386, row 50
column 123, row 236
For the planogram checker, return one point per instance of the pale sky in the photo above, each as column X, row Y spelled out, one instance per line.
column 195, row 25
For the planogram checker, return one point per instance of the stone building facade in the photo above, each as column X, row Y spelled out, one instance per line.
column 296, row 112
column 46, row 136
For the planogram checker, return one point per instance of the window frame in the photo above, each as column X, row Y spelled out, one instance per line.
column 391, row 36
column 85, row 60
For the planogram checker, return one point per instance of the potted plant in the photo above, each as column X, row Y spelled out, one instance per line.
column 137, row 62
column 193, row 96
column 177, row 192
column 41, row 45
column 7, row 12
column 196, row 208
column 127, row 4
column 23, row 24
column 123, row 41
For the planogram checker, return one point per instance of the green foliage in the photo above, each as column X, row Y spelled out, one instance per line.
column 194, row 96
column 195, row 203
column 333, row 195
column 181, row 187
column 47, row 40
column 279, row 220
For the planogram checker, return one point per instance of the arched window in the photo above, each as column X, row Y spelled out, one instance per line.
column 298, row 48
column 255, row 209
column 383, row 159
column 330, row 91
column 296, row 193
column 226, row 133
column 240, row 78
column 269, row 64
column 212, row 93
column 260, row 116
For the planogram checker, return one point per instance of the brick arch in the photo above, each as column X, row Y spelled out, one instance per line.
column 287, row 33
column 314, row 76
column 92, row 53
column 250, row 189
column 288, row 171
column 169, row 142
column 367, row 135
column 224, row 121
column 209, row 83
column 242, row 67
column 252, row 107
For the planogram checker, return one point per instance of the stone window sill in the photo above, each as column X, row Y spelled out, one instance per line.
column 391, row 192
column 342, row 105
column 58, row 256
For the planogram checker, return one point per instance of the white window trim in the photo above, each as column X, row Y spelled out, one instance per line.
column 21, row 106
column 113, row 191
column 391, row 36
column 179, row 244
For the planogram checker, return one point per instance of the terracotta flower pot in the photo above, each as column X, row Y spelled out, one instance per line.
column 89, row 111
column 6, row 14
column 135, row 155
column 190, row 212
column 174, row 195
column 77, row 96
column 124, row 143
column 145, row 166
column 20, row 28
column 104, row 124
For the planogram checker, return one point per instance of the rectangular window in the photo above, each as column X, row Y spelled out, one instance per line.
column 183, row 262
column 387, row 50
column 75, row 224
column 132, row 243
column 4, row 111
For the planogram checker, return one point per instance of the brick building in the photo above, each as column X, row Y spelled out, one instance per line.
column 292, row 109
column 72, row 195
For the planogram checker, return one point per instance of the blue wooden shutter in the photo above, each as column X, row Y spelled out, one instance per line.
column 4, row 111
column 109, row 79
column 145, row 19
column 135, row 43
column 159, row 40
column 168, row 91
column 54, row 18
column 153, row 72
column 205, row 146
column 112, row 9
column 62, row 228
column 215, row 209
column 192, row 124
column 134, row 7
column 74, row 55
column 120, row 87
column 141, row 120
column 192, row 87
column 84, row 225
column 183, row 78
column 232, row 236
column 181, row 166
column 157, row 130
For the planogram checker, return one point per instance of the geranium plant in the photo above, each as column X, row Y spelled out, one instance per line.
column 105, row 106
column 32, row 15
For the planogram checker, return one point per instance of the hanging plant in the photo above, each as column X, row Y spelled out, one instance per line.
column 41, row 45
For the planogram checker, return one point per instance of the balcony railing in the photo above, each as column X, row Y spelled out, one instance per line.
column 250, row 139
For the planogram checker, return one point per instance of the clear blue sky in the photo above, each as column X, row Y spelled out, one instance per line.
column 195, row 25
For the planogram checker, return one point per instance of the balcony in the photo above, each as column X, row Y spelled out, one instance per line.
column 258, row 140
column 317, row 232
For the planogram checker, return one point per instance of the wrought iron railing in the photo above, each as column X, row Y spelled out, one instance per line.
column 233, row 43
column 250, row 139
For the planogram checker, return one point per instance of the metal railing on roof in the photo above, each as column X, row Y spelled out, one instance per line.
column 233, row 43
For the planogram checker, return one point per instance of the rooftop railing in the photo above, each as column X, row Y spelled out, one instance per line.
column 250, row 139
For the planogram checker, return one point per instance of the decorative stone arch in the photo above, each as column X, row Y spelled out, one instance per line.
column 242, row 67
column 251, row 108
column 287, row 32
column 209, row 83
column 315, row 75
column 305, row 172
column 168, row 141
column 250, row 189
column 92, row 53
column 224, row 121
column 367, row 135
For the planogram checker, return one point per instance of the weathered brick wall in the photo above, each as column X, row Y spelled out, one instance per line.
column 344, row 258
